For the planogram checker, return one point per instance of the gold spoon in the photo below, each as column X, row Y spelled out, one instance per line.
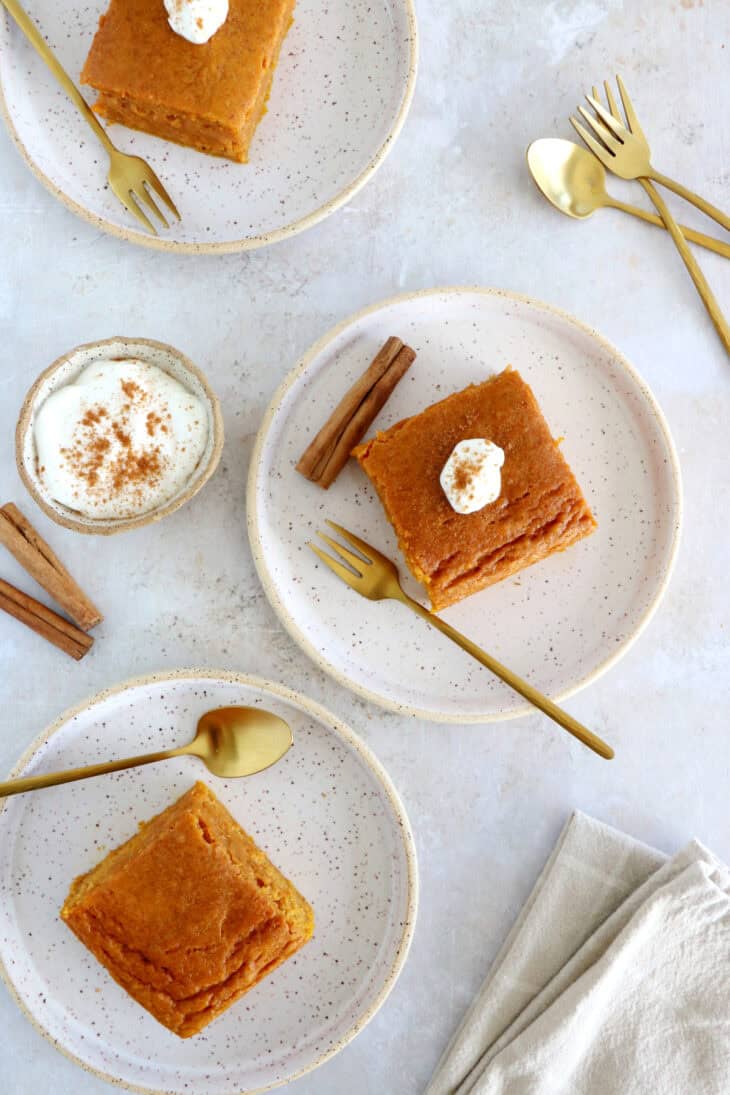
column 574, row 182
column 230, row 741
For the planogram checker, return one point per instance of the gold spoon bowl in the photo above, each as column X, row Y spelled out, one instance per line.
column 569, row 177
column 574, row 181
column 230, row 741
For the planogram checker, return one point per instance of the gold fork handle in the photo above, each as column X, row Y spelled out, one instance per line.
column 35, row 783
column 562, row 718
column 708, row 297
column 34, row 36
column 708, row 242
column 694, row 199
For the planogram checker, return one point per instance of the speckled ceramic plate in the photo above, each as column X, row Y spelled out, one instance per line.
column 340, row 95
column 327, row 815
column 559, row 623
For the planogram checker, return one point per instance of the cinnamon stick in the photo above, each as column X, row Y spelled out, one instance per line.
column 326, row 456
column 37, row 558
column 44, row 622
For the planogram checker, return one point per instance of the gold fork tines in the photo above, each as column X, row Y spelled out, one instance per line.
column 635, row 157
column 624, row 150
column 375, row 576
column 130, row 178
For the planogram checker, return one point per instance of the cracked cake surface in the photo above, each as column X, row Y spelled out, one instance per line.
column 540, row 509
column 189, row 914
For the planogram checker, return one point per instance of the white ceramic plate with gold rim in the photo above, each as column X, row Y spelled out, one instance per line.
column 559, row 623
column 340, row 95
column 326, row 814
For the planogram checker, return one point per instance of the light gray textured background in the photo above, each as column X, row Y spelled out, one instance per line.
column 453, row 204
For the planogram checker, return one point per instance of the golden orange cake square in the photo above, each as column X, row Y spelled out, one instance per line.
column 209, row 96
column 540, row 510
column 189, row 914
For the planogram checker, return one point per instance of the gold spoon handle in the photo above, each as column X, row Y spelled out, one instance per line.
column 708, row 242
column 708, row 297
column 694, row 199
column 35, row 783
column 34, row 36
column 562, row 718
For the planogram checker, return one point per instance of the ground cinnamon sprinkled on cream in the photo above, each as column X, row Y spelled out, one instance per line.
column 130, row 467
column 130, row 389
column 120, row 440
column 471, row 477
column 464, row 473
column 154, row 422
column 93, row 416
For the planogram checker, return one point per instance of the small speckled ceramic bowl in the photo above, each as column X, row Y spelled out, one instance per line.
column 64, row 371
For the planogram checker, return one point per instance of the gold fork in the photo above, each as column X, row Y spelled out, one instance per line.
column 130, row 178
column 375, row 576
column 636, row 160
column 625, row 152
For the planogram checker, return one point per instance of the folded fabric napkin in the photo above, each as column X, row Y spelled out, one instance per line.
column 613, row 980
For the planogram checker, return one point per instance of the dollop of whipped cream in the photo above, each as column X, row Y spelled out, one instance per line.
column 472, row 478
column 196, row 20
column 119, row 441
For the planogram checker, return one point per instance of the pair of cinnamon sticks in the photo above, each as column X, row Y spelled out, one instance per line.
column 36, row 557
column 326, row 456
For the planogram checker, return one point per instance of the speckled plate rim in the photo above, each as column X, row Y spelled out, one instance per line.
column 255, row 537
column 248, row 243
column 351, row 739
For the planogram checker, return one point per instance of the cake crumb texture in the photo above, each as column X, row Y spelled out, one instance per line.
column 210, row 96
column 540, row 510
column 189, row 914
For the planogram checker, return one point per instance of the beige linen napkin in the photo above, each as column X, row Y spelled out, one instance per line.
column 612, row 980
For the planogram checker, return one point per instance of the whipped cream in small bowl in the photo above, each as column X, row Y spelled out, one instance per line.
column 117, row 434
